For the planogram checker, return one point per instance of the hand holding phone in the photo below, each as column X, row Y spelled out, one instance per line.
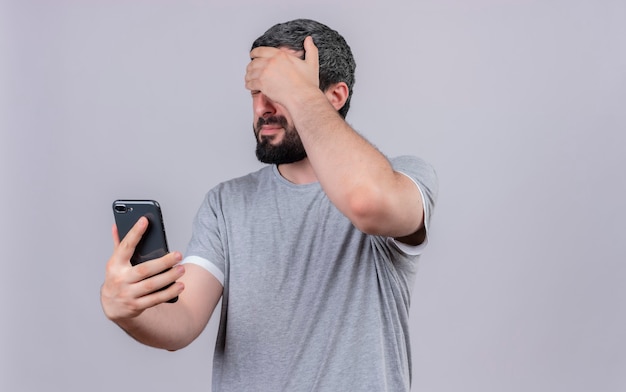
column 153, row 243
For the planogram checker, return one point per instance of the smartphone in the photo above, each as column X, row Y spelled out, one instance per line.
column 153, row 244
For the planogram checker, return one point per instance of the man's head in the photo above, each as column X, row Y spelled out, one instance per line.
column 335, row 57
column 336, row 67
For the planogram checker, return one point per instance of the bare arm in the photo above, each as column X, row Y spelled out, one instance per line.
column 354, row 174
column 129, row 300
column 357, row 178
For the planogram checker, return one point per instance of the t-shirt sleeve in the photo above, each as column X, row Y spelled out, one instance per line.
column 206, row 247
column 425, row 178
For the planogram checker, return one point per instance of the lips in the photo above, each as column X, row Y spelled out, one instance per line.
column 271, row 122
column 270, row 128
column 267, row 130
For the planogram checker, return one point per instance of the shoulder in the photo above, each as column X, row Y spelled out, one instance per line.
column 425, row 178
column 249, row 181
column 233, row 194
column 417, row 169
column 237, row 192
column 412, row 163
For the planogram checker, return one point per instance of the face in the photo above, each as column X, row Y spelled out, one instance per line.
column 277, row 139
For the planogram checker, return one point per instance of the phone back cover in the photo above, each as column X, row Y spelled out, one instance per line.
column 153, row 244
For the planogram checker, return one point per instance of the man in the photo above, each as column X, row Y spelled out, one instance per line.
column 314, row 255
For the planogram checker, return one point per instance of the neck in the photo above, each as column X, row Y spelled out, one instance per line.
column 299, row 173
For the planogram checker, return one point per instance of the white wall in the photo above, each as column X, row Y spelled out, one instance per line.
column 518, row 104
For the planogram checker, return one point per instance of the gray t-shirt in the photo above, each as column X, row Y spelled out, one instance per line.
column 310, row 303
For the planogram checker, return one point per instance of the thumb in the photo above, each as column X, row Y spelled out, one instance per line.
column 125, row 247
column 311, row 54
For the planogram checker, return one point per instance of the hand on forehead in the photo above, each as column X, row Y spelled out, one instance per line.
column 279, row 73
column 268, row 51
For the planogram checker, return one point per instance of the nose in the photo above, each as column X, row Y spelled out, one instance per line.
column 263, row 106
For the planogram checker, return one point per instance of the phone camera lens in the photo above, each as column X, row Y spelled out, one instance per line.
column 120, row 208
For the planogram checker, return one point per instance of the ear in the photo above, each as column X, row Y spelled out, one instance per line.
column 337, row 94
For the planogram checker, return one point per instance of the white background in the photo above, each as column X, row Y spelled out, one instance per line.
column 519, row 105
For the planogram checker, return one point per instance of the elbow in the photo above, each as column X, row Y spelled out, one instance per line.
column 180, row 343
column 376, row 211
column 173, row 346
column 168, row 345
column 365, row 209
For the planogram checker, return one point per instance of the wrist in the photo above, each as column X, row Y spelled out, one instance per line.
column 312, row 102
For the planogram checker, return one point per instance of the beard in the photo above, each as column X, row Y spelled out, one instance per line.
column 289, row 150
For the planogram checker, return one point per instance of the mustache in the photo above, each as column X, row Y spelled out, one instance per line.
column 272, row 120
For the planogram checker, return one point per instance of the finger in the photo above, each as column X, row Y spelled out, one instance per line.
column 311, row 54
column 153, row 299
column 127, row 245
column 253, row 85
column 157, row 282
column 252, row 71
column 263, row 52
column 253, row 74
column 153, row 267
column 116, row 236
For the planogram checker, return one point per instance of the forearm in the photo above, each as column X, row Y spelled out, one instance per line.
column 167, row 326
column 357, row 178
column 128, row 297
